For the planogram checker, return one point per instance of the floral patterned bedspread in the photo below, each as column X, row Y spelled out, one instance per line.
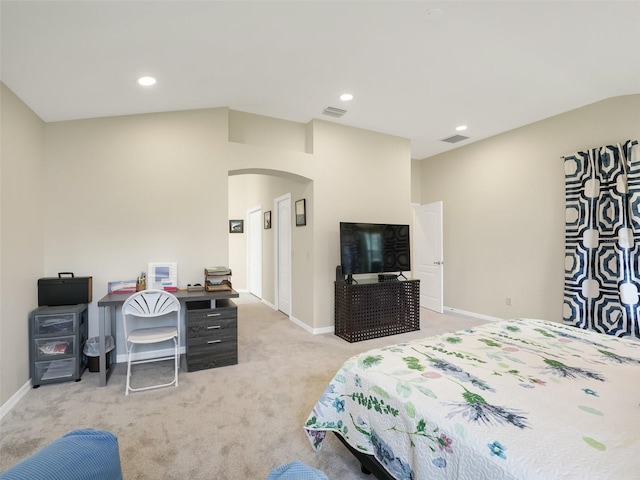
column 514, row 399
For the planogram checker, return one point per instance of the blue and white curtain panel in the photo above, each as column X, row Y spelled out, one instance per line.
column 602, row 242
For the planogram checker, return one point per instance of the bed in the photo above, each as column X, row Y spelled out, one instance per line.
column 514, row 399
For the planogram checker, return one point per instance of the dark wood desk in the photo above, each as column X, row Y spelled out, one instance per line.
column 114, row 300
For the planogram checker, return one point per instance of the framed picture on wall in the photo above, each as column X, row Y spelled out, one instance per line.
column 267, row 220
column 236, row 226
column 301, row 213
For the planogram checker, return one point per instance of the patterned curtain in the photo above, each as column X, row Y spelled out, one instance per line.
column 602, row 243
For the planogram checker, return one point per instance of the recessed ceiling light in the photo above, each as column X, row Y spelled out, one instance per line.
column 345, row 97
column 146, row 81
column 461, row 128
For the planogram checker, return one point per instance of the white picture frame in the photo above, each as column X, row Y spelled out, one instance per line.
column 160, row 275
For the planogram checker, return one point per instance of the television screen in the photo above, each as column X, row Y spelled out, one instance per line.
column 374, row 248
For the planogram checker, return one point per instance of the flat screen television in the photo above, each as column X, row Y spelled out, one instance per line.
column 374, row 248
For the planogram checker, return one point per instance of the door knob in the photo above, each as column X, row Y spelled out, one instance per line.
column 438, row 263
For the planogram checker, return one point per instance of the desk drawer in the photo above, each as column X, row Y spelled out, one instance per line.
column 215, row 327
column 212, row 355
column 212, row 314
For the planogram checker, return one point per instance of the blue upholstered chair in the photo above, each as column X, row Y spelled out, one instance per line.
column 79, row 455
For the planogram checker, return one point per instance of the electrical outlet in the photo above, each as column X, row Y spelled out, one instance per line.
column 508, row 301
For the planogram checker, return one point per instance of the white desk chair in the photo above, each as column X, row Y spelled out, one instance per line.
column 149, row 305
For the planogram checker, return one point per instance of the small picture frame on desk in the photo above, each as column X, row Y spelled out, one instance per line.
column 236, row 226
column 301, row 213
column 160, row 275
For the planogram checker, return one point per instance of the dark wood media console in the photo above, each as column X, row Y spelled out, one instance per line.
column 376, row 309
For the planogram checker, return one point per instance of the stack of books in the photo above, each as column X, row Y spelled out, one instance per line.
column 217, row 279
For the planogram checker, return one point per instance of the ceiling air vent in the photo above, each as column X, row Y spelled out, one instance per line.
column 334, row 112
column 455, row 139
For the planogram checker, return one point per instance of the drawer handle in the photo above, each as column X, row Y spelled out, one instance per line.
column 213, row 314
column 214, row 341
column 214, row 327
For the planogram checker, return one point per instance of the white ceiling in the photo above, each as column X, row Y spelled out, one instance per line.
column 415, row 71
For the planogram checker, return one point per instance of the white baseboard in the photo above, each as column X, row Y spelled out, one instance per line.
column 301, row 324
column 311, row 330
column 15, row 398
column 331, row 328
column 323, row 330
column 471, row 314
column 268, row 304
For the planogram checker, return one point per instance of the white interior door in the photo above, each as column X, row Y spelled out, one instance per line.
column 283, row 253
column 254, row 252
column 427, row 257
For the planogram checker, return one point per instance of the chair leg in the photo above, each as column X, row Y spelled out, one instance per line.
column 177, row 354
column 129, row 350
column 176, row 366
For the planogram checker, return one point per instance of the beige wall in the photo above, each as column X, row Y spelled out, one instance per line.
column 280, row 151
column 177, row 165
column 125, row 191
column 504, row 209
column 355, row 175
column 360, row 176
column 22, row 202
column 416, row 181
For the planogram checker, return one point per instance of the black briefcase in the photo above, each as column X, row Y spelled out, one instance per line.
column 65, row 289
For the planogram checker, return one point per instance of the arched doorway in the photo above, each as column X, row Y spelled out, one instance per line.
column 273, row 192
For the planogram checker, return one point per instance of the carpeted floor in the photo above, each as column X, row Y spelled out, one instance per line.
column 228, row 423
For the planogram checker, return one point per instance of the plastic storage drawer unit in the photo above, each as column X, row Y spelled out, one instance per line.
column 56, row 337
